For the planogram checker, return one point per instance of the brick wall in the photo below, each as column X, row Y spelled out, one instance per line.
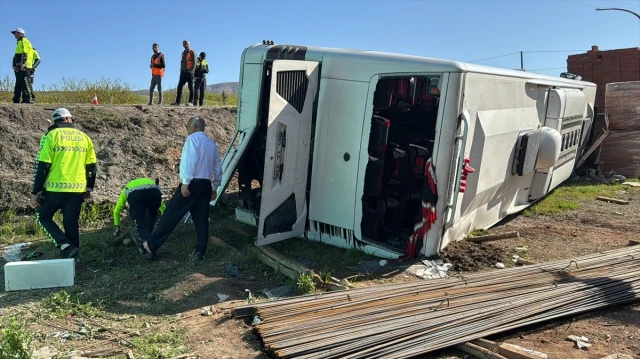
column 603, row 67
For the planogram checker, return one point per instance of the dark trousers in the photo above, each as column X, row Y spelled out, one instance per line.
column 143, row 209
column 185, row 78
column 197, row 204
column 201, row 87
column 70, row 204
column 155, row 80
column 22, row 87
column 33, row 94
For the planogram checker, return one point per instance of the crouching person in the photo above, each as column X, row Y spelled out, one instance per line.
column 145, row 200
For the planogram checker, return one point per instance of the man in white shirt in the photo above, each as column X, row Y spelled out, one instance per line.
column 199, row 163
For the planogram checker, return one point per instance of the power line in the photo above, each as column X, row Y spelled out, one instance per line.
column 622, row 3
column 553, row 68
column 495, row 57
column 527, row 52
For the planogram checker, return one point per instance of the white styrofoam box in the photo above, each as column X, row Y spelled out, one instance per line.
column 50, row 273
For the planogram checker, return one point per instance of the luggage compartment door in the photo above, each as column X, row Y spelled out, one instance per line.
column 283, row 208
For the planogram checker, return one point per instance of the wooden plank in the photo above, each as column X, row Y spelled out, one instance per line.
column 515, row 353
column 613, row 200
column 478, row 351
column 593, row 147
column 185, row 356
column 220, row 243
column 285, row 265
column 507, row 350
column 525, row 261
column 633, row 242
column 494, row 237
column 104, row 352
column 487, row 344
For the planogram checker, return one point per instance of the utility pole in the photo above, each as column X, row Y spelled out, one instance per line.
column 625, row 10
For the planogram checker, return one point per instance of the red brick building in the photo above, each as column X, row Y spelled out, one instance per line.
column 603, row 67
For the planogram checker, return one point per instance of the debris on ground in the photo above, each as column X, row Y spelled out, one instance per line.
column 525, row 297
column 592, row 175
column 232, row 270
column 277, row 292
column 525, row 350
column 500, row 265
column 494, row 237
column 222, row 297
column 473, row 257
column 370, row 266
column 618, row 356
column 581, row 342
column 613, row 200
column 632, row 184
column 13, row 253
column 45, row 353
column 205, row 312
column 428, row 269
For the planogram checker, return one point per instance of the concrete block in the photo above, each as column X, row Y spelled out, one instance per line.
column 50, row 273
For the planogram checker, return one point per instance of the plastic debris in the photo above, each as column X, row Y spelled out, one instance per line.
column 279, row 291
column 13, row 253
column 581, row 342
column 500, row 265
column 222, row 297
column 231, row 270
column 429, row 269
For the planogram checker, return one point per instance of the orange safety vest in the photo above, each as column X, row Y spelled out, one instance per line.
column 189, row 60
column 155, row 71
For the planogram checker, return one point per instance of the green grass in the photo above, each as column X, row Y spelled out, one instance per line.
column 478, row 233
column 572, row 194
column 16, row 342
column 22, row 227
column 62, row 305
column 108, row 91
column 160, row 345
column 305, row 285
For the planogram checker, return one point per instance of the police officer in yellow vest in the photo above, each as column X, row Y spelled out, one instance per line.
column 65, row 174
column 22, row 66
column 145, row 199
column 202, row 69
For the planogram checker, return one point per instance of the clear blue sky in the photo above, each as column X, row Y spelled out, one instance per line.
column 99, row 38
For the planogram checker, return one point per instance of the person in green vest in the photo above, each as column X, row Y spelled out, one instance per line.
column 202, row 69
column 145, row 199
column 36, row 63
column 65, row 174
column 22, row 66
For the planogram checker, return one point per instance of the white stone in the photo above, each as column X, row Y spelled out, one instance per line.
column 52, row 273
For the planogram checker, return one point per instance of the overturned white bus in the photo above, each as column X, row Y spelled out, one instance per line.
column 395, row 155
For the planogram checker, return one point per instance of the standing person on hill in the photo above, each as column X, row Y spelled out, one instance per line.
column 22, row 66
column 36, row 62
column 65, row 174
column 157, row 72
column 187, row 68
column 202, row 69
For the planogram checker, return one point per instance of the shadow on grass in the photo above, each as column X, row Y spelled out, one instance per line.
column 126, row 283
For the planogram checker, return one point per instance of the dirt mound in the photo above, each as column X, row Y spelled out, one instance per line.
column 130, row 142
column 471, row 257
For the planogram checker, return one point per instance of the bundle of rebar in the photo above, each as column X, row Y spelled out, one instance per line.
column 408, row 319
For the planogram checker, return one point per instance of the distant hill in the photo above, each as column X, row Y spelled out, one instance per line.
column 223, row 86
column 227, row 87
